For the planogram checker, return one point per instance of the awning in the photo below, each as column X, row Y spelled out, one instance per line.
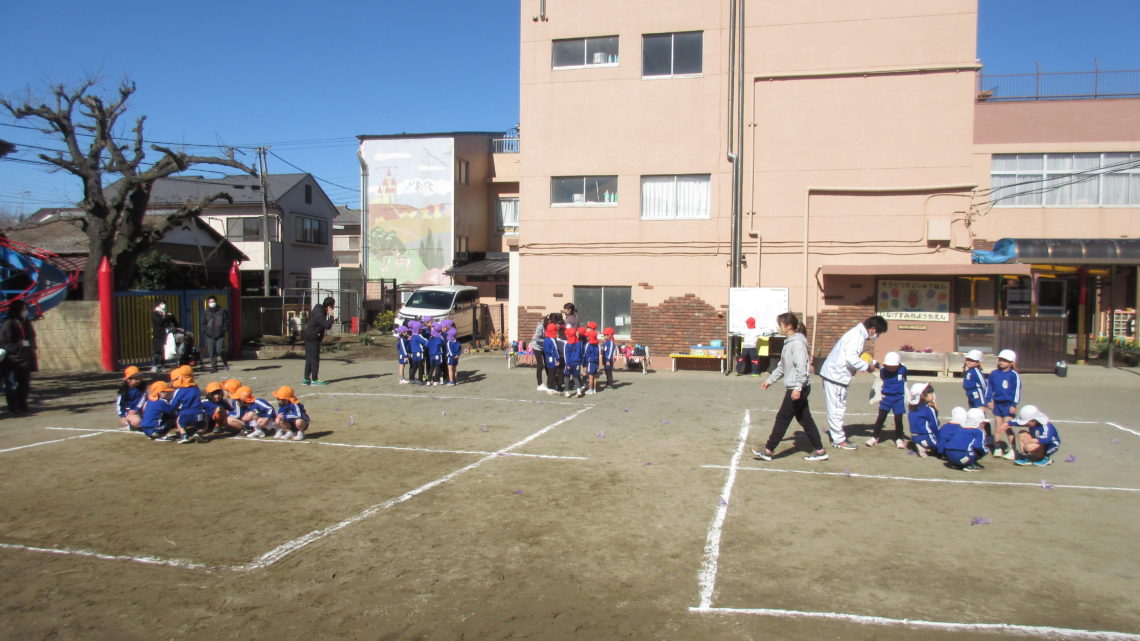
column 485, row 267
column 1063, row 251
column 927, row 270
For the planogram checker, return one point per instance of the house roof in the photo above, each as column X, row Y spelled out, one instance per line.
column 242, row 188
column 484, row 267
column 347, row 216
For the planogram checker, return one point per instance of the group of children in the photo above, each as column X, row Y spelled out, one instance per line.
column 572, row 357
column 968, row 435
column 424, row 348
column 176, row 411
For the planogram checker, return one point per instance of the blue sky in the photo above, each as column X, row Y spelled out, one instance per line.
column 307, row 78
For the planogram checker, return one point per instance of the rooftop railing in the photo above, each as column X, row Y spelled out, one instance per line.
column 505, row 145
column 1075, row 85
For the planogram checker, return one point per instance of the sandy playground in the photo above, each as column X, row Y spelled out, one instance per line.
column 492, row 511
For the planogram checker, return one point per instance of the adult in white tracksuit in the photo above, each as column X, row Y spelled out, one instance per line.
column 841, row 365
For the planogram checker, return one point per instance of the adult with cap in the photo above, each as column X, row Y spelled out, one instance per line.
column 321, row 320
column 18, row 343
column 845, row 360
column 1040, row 441
column 162, row 324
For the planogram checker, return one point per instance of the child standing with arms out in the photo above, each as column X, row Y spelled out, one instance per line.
column 967, row 444
column 573, row 365
column 291, row 419
column 591, row 356
column 403, row 350
column 974, row 379
column 923, row 418
column 454, row 351
column 131, row 397
column 1038, row 443
column 187, row 402
column 793, row 368
column 1003, row 395
column 157, row 420
column 609, row 352
column 893, row 375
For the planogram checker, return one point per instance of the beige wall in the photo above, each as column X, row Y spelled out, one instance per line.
column 69, row 338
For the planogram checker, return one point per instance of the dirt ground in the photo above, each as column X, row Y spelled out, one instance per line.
column 492, row 511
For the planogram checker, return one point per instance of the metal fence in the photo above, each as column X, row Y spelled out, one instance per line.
column 1038, row 342
column 1077, row 85
column 134, row 327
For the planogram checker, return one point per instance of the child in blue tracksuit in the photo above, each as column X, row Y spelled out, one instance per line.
column 946, row 432
column 291, row 419
column 187, row 402
column 131, row 397
column 256, row 413
column 1003, row 395
column 552, row 357
column 454, row 351
column 417, row 351
column 893, row 375
column 923, row 418
column 609, row 352
column 435, row 348
column 573, row 363
column 974, row 380
column 590, row 356
column 403, row 351
column 157, row 417
column 1040, row 442
column 964, row 446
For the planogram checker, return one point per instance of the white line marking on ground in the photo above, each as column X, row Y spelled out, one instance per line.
column 707, row 575
column 58, row 440
column 443, row 398
column 1033, row 630
column 283, row 550
column 1119, row 427
column 928, row 480
column 147, row 560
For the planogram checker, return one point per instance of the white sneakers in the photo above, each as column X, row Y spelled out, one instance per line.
column 299, row 436
column 543, row 388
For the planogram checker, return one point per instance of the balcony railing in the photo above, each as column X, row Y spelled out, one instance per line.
column 505, row 146
column 1076, row 85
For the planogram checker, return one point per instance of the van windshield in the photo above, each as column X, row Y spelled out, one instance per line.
column 431, row 300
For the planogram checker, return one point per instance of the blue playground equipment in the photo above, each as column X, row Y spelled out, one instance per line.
column 32, row 275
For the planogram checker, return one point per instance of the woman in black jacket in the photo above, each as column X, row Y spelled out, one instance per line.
column 320, row 321
column 161, row 324
column 18, row 340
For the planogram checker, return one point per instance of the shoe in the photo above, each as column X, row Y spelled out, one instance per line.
column 256, row 434
column 872, row 442
column 568, row 394
column 901, row 443
column 403, row 381
column 317, row 382
column 552, row 391
column 167, row 438
column 922, row 453
column 972, row 467
column 1024, row 461
column 198, row 437
column 452, row 384
column 299, row 436
column 820, row 455
column 279, row 434
column 845, row 445
column 1043, row 462
column 217, row 430
column 763, row 455
column 305, row 381
column 185, row 438
column 1009, row 454
column 590, row 392
column 581, row 393
column 542, row 388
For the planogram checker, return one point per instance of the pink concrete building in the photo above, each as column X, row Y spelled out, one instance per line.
column 672, row 150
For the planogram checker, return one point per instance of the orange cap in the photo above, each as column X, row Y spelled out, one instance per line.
column 213, row 387
column 243, row 393
column 285, row 393
column 231, row 385
column 158, row 387
column 130, row 372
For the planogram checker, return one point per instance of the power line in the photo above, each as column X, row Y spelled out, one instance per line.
column 357, row 190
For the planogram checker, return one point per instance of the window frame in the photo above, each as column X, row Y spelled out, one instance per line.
column 500, row 224
column 645, row 38
column 303, row 230
column 626, row 330
column 613, row 196
column 676, row 182
column 586, row 52
column 1037, row 169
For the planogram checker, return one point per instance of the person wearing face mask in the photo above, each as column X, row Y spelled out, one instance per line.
column 321, row 320
column 162, row 322
column 844, row 361
column 215, row 326
column 18, row 341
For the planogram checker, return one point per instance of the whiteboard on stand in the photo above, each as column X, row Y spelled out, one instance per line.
column 762, row 303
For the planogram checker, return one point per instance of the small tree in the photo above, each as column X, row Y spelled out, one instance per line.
column 113, row 218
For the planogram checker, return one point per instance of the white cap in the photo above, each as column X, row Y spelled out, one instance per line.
column 891, row 359
column 975, row 355
column 958, row 415
column 1031, row 413
column 916, row 391
column 975, row 416
column 1008, row 355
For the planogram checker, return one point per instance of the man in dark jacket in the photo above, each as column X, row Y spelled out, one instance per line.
column 320, row 321
column 18, row 340
column 162, row 322
column 215, row 326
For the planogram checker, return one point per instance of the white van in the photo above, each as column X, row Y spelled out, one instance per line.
column 457, row 302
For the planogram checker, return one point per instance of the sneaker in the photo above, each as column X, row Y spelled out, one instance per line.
column 185, row 438
column 167, row 438
column 972, row 467
column 763, row 455
column 590, row 392
column 569, row 394
column 922, row 453
column 845, row 445
column 318, row 382
column 198, row 437
column 403, row 381
column 217, row 430
column 305, row 381
column 1023, row 461
column 820, row 455
column 1009, row 454
column 299, row 436
column 452, row 384
column 542, row 388
column 872, row 442
column 901, row 443
column 581, row 393
column 256, row 434
column 1043, row 462
column 283, row 434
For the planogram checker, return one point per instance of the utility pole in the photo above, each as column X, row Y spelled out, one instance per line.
column 265, row 248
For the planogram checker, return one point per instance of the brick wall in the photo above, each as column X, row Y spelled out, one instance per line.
column 68, row 338
column 834, row 323
column 528, row 319
column 677, row 324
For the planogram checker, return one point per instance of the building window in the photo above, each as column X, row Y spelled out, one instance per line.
column 675, row 197
column 462, row 167
column 584, row 52
column 243, row 229
column 609, row 306
column 312, row 230
column 671, row 54
column 507, row 215
column 502, row 291
column 1065, row 180
column 308, row 194
column 583, row 190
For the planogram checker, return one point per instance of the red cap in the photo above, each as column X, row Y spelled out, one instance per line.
column 592, row 336
column 551, row 330
column 609, row 331
column 750, row 322
column 582, row 331
column 571, row 335
column 592, row 325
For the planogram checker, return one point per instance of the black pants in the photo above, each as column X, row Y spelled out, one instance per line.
column 802, row 413
column 747, row 362
column 17, row 386
column 216, row 347
column 539, row 365
column 312, row 360
column 883, row 419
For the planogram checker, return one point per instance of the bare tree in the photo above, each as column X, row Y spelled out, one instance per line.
column 113, row 218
